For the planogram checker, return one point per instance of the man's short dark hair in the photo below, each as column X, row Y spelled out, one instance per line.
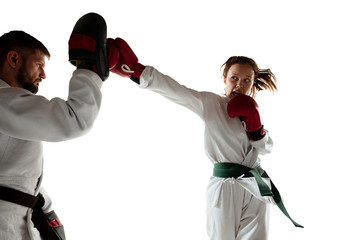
column 22, row 43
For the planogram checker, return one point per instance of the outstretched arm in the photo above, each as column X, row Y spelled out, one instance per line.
column 126, row 64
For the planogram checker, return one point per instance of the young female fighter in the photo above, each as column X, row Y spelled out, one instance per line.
column 237, row 194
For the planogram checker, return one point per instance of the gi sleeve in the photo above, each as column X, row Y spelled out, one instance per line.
column 31, row 117
column 172, row 90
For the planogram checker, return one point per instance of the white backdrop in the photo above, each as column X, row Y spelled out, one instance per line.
column 141, row 172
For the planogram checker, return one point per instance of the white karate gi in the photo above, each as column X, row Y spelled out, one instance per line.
column 25, row 121
column 235, row 207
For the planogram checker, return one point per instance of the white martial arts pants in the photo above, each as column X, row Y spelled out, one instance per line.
column 237, row 215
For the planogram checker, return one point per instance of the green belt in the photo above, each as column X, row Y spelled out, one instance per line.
column 229, row 170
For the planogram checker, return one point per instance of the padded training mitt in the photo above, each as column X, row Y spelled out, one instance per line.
column 87, row 43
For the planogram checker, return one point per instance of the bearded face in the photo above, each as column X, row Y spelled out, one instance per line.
column 31, row 72
column 26, row 81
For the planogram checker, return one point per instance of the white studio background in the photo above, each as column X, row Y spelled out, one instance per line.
column 141, row 173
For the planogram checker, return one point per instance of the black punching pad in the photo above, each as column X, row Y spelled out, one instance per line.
column 88, row 43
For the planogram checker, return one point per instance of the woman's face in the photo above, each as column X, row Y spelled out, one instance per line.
column 239, row 80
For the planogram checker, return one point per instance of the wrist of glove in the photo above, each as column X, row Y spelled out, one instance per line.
column 257, row 135
column 137, row 73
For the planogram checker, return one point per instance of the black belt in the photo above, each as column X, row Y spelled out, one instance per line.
column 34, row 202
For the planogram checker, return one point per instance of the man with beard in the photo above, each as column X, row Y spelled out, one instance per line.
column 27, row 119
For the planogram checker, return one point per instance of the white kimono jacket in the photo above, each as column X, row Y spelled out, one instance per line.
column 25, row 121
column 225, row 138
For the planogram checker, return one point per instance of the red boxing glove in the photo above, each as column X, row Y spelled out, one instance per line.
column 113, row 54
column 127, row 64
column 247, row 110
